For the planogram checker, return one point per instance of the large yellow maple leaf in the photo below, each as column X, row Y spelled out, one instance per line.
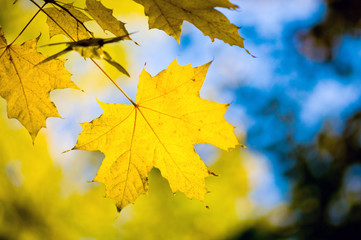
column 26, row 86
column 168, row 15
column 159, row 131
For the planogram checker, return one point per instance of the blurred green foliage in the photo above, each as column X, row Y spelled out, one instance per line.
column 160, row 215
column 326, row 193
column 33, row 204
column 342, row 18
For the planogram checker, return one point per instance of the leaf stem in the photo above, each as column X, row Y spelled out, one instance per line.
column 101, row 69
column 119, row 88
column 40, row 9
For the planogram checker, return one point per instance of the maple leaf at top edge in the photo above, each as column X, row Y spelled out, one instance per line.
column 71, row 24
column 26, row 87
column 168, row 15
column 160, row 131
column 104, row 17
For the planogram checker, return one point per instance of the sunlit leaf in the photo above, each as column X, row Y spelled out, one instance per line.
column 26, row 87
column 169, row 15
column 160, row 131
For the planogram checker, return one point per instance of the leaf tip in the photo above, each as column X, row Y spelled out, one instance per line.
column 33, row 136
column 249, row 53
column 119, row 208
column 136, row 43
column 66, row 151
column 37, row 38
column 212, row 173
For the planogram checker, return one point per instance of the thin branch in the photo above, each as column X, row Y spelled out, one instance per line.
column 106, row 74
column 40, row 9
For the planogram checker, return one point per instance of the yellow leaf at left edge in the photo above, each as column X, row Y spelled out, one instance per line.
column 26, row 86
column 160, row 131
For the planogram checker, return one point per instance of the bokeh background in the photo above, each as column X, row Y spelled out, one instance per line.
column 296, row 107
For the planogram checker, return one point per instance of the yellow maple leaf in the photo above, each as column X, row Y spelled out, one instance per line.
column 168, row 15
column 159, row 131
column 68, row 23
column 26, row 87
column 104, row 17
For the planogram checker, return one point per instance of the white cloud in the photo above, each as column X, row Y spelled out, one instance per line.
column 265, row 191
column 328, row 98
column 269, row 17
